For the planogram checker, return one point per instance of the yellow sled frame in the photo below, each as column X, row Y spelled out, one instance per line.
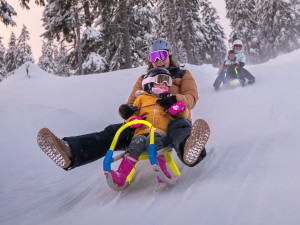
column 231, row 81
column 150, row 155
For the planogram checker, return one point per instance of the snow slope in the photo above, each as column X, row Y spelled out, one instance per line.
column 250, row 176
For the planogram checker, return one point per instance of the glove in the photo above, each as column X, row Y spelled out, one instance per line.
column 167, row 102
column 176, row 108
column 136, row 125
column 127, row 111
column 241, row 65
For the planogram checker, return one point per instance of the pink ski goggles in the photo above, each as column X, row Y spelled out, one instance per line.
column 161, row 55
column 158, row 79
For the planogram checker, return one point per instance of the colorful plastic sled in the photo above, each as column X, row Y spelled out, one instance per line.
column 229, row 78
column 150, row 155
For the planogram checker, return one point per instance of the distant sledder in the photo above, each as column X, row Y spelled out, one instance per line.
column 233, row 68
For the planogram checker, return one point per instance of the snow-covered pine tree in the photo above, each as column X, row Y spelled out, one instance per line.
column 63, row 20
column 10, row 54
column 166, row 24
column 243, row 20
column 296, row 6
column 214, row 48
column 6, row 12
column 23, row 52
column 279, row 26
column 179, row 22
column 91, row 47
column 190, row 21
column 61, row 59
column 46, row 61
column 3, row 71
column 141, row 30
column 115, row 49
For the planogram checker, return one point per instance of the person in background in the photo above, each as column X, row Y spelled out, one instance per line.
column 238, row 63
column 229, row 68
column 241, row 59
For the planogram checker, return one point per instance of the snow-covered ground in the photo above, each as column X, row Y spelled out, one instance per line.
column 250, row 175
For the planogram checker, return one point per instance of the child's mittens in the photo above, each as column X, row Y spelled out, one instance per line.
column 136, row 125
column 176, row 108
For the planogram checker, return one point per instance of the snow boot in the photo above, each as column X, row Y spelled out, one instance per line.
column 56, row 149
column 119, row 176
column 242, row 82
column 196, row 142
column 251, row 81
column 163, row 166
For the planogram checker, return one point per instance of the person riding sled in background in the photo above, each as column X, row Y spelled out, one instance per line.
column 188, row 140
column 239, row 64
column 229, row 67
column 156, row 84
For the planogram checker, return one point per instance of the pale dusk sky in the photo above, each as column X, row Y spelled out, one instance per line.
column 32, row 20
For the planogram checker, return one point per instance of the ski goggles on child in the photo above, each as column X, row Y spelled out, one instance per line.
column 161, row 55
column 158, row 79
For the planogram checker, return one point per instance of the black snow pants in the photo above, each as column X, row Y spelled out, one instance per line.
column 90, row 147
column 220, row 78
column 246, row 74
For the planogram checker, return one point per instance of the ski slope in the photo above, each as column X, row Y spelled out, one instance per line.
column 250, row 175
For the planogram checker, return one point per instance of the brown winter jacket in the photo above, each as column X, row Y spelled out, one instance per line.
column 184, row 88
column 152, row 112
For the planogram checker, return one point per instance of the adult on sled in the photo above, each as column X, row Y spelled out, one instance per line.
column 188, row 141
column 156, row 84
column 238, row 63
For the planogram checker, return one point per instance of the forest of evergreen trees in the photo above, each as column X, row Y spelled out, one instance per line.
column 94, row 36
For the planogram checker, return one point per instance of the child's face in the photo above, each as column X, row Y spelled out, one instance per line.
column 162, row 86
column 231, row 56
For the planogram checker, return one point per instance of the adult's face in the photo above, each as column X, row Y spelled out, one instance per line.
column 162, row 64
column 237, row 47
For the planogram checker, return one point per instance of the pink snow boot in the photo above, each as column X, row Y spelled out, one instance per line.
column 119, row 176
column 163, row 166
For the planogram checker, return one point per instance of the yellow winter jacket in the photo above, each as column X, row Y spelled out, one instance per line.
column 148, row 108
column 184, row 88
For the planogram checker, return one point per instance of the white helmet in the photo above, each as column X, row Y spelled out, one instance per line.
column 238, row 42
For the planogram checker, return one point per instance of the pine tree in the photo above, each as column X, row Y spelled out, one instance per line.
column 214, row 49
column 190, row 20
column 141, row 30
column 62, row 19
column 91, row 46
column 279, row 26
column 61, row 59
column 46, row 61
column 244, row 26
column 166, row 26
column 10, row 55
column 23, row 52
column 6, row 12
column 115, row 50
column 3, row 71
column 65, row 20
column 179, row 23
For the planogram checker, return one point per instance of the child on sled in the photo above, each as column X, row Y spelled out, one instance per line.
column 229, row 67
column 156, row 83
column 234, row 67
